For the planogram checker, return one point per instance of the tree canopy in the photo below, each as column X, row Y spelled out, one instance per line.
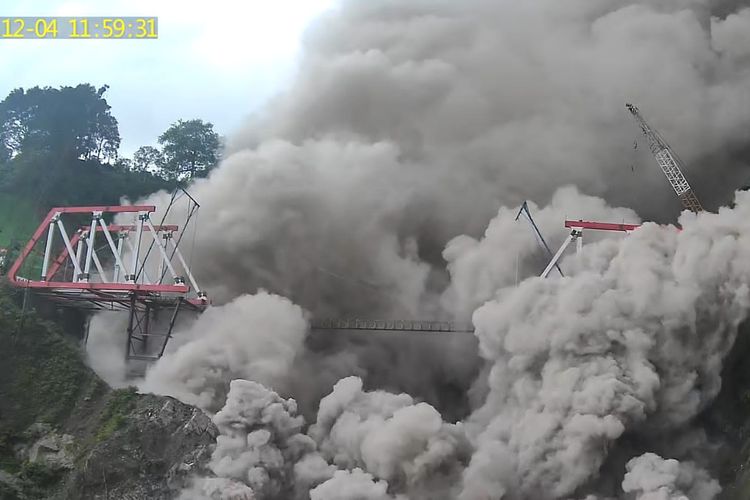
column 146, row 159
column 190, row 149
column 59, row 146
column 71, row 122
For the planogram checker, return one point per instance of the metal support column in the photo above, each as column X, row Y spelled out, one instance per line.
column 574, row 234
column 171, row 326
column 132, row 312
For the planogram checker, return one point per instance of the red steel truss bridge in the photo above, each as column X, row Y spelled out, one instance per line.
column 79, row 260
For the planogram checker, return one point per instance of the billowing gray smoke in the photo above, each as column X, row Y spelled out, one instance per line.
column 369, row 189
column 259, row 445
column 634, row 340
column 630, row 341
column 255, row 337
column 404, row 443
column 346, row 485
column 412, row 122
column 651, row 477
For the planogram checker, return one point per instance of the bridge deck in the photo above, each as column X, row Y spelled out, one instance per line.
column 392, row 325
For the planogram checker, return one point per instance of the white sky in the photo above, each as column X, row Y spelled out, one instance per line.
column 218, row 60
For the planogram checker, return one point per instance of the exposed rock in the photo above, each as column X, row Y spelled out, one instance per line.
column 87, row 441
column 11, row 487
column 160, row 444
column 37, row 430
column 48, row 447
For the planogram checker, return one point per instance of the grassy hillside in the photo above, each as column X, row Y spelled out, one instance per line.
column 42, row 379
column 19, row 217
column 41, row 372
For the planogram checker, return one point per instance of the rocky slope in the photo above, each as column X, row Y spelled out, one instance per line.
column 65, row 434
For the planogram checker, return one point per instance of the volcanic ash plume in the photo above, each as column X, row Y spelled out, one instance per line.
column 510, row 251
column 632, row 340
column 104, row 346
column 408, row 125
column 355, row 484
column 259, row 443
column 650, row 477
column 255, row 337
column 404, row 446
column 410, row 122
column 389, row 435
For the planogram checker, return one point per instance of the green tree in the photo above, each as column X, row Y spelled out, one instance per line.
column 147, row 158
column 190, row 149
column 122, row 163
column 55, row 141
column 70, row 122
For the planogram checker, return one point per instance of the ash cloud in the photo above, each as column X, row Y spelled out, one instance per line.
column 393, row 437
column 509, row 249
column 357, row 484
column 651, row 477
column 255, row 337
column 632, row 341
column 410, row 123
column 384, row 182
column 259, row 444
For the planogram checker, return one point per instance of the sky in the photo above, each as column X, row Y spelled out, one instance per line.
column 218, row 60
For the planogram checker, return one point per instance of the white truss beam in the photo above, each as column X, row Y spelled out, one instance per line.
column 575, row 234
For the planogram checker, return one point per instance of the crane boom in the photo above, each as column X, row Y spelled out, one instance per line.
column 669, row 163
